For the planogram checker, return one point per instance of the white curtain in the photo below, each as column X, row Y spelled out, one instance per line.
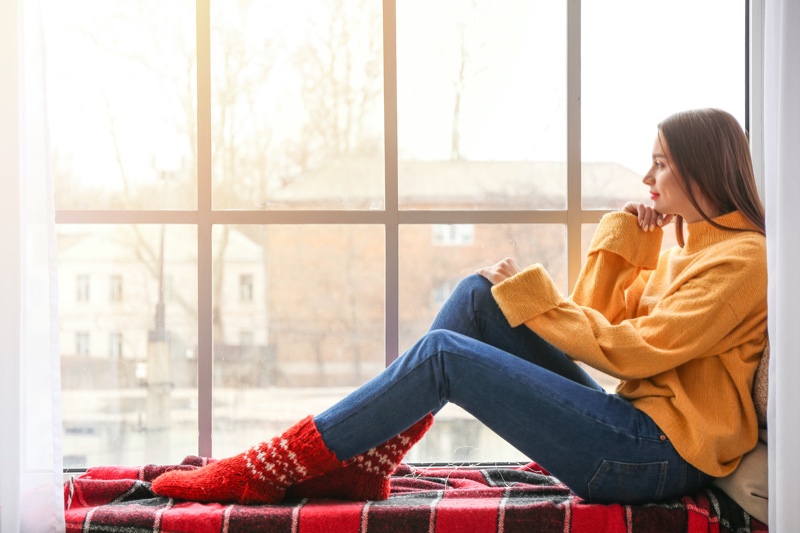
column 782, row 188
column 31, row 478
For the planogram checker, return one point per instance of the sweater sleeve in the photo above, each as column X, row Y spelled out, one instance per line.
column 685, row 324
column 620, row 251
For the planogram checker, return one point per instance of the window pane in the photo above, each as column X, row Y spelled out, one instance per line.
column 312, row 332
column 128, row 366
column 640, row 63
column 429, row 271
column 482, row 104
column 297, row 104
column 122, row 103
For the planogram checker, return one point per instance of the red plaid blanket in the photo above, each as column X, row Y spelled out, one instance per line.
column 431, row 500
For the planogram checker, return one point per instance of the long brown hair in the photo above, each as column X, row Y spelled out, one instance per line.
column 710, row 150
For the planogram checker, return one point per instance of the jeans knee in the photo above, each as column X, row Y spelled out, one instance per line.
column 438, row 339
column 476, row 282
column 440, row 344
column 477, row 287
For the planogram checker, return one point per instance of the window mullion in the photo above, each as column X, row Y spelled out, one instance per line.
column 391, row 225
column 574, row 209
column 204, row 227
column 755, row 88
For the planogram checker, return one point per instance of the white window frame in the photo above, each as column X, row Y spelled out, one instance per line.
column 204, row 217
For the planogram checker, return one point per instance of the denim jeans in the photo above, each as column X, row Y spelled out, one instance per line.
column 526, row 391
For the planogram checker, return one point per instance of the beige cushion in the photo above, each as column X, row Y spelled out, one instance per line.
column 748, row 484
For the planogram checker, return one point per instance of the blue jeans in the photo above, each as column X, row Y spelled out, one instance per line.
column 526, row 391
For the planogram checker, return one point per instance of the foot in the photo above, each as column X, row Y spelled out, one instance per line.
column 366, row 476
column 260, row 475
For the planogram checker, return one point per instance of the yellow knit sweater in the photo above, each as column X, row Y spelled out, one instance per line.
column 683, row 330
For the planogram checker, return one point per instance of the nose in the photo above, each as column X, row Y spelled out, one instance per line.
column 648, row 179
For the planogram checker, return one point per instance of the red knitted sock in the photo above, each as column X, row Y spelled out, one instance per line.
column 259, row 475
column 366, row 476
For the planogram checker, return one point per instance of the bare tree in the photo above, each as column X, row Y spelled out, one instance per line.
column 340, row 67
column 240, row 139
column 468, row 66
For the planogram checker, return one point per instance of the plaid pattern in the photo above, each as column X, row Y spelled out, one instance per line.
column 431, row 500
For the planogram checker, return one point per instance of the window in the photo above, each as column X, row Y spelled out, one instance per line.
column 81, row 343
column 82, row 288
column 115, row 345
column 246, row 288
column 115, row 288
column 246, row 338
column 453, row 234
column 258, row 175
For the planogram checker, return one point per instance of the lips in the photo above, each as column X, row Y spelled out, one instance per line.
column 654, row 195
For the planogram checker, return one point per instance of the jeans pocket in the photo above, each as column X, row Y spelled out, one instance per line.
column 616, row 482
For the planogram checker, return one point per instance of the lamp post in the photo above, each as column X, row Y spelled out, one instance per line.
column 159, row 377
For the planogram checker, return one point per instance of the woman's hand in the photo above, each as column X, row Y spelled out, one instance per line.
column 500, row 271
column 648, row 217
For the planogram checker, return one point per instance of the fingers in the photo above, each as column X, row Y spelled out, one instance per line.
column 632, row 208
column 509, row 265
column 491, row 274
column 647, row 216
column 500, row 271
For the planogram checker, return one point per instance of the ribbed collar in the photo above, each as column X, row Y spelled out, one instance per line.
column 702, row 234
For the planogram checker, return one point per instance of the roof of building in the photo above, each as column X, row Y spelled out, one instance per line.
column 357, row 182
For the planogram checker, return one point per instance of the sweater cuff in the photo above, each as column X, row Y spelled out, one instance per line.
column 526, row 295
column 619, row 233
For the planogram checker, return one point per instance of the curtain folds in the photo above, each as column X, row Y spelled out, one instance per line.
column 31, row 478
column 782, row 190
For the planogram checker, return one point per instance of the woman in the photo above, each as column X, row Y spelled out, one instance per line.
column 682, row 329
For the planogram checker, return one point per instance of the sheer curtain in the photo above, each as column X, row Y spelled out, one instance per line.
column 782, row 187
column 31, row 479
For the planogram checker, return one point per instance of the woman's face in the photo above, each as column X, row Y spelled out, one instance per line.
column 666, row 188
